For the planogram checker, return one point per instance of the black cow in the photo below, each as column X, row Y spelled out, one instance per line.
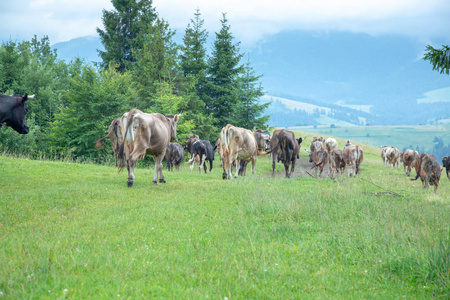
column 446, row 165
column 13, row 112
column 174, row 156
column 204, row 150
column 285, row 147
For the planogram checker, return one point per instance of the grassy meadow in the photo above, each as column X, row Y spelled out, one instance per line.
column 71, row 230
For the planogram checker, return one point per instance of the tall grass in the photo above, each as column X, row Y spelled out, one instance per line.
column 71, row 230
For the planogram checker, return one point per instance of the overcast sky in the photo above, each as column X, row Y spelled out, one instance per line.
column 250, row 20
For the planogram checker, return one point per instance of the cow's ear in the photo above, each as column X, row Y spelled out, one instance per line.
column 176, row 118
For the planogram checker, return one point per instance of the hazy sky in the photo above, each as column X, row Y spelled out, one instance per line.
column 250, row 20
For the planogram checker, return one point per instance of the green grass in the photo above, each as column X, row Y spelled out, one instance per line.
column 76, row 231
column 398, row 136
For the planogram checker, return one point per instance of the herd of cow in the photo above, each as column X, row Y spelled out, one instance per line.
column 426, row 165
column 136, row 134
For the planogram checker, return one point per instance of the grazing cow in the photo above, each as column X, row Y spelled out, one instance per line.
column 205, row 151
column 262, row 138
column 446, row 165
column 391, row 155
column 429, row 171
column 115, row 133
column 13, row 112
column 174, row 156
column 320, row 159
column 353, row 157
column 147, row 134
column 285, row 147
column 236, row 144
column 337, row 163
column 410, row 159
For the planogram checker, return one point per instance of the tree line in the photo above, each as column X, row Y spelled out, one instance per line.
column 141, row 67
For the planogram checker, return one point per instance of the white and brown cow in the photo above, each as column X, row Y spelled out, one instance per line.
column 410, row 159
column 147, row 134
column 330, row 144
column 353, row 157
column 236, row 144
column 337, row 163
column 391, row 156
column 320, row 158
column 429, row 171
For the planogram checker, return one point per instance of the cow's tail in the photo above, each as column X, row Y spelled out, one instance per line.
column 99, row 142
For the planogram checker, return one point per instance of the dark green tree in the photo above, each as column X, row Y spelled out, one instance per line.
column 249, row 111
column 223, row 71
column 439, row 58
column 125, row 31
column 193, row 67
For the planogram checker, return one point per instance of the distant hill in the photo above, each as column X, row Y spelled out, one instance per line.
column 349, row 73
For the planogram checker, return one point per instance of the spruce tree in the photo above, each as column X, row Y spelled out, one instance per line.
column 222, row 74
column 249, row 112
column 125, row 31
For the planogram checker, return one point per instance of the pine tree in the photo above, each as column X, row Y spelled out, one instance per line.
column 439, row 58
column 125, row 31
column 193, row 67
column 249, row 112
column 222, row 74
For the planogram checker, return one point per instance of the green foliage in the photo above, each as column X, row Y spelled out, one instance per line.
column 126, row 29
column 92, row 101
column 439, row 58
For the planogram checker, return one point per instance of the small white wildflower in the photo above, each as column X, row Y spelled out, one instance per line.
column 153, row 228
column 65, row 291
column 1, row 294
column 265, row 270
column 225, row 298
column 365, row 271
column 78, row 250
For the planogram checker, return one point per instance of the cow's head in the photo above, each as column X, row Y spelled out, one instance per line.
column 173, row 127
column 18, row 120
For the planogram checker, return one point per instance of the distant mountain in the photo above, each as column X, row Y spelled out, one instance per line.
column 339, row 70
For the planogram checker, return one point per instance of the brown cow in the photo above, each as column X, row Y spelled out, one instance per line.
column 337, row 163
column 320, row 159
column 316, row 143
column 446, row 165
column 391, row 156
column 115, row 133
column 429, row 171
column 353, row 157
column 284, row 147
column 330, row 144
column 410, row 159
column 236, row 144
column 147, row 134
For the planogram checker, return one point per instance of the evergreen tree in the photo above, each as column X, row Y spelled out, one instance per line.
column 193, row 67
column 439, row 58
column 249, row 112
column 222, row 74
column 125, row 31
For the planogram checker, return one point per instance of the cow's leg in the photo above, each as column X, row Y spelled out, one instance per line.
column 210, row 165
column 238, row 167
column 448, row 173
column 191, row 161
column 253, row 165
column 158, row 168
column 202, row 163
column 130, row 168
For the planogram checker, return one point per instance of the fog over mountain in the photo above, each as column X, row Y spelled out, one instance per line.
column 339, row 70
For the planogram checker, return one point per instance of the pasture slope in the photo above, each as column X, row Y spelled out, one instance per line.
column 77, row 231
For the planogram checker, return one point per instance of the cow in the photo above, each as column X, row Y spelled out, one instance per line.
column 236, row 144
column 330, row 144
column 320, row 158
column 316, row 143
column 285, row 147
column 353, row 157
column 115, row 133
column 147, row 134
column 391, row 156
column 13, row 112
column 262, row 138
column 205, row 151
column 410, row 159
column 429, row 171
column 174, row 156
column 337, row 163
column 446, row 165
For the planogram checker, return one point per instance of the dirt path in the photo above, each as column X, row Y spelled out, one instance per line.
column 302, row 166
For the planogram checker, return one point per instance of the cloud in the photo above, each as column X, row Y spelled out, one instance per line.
column 250, row 20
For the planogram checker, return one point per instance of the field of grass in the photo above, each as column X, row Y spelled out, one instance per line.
column 397, row 136
column 72, row 230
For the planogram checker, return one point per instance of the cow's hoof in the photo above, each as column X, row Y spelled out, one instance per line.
column 162, row 180
column 129, row 183
column 155, row 182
